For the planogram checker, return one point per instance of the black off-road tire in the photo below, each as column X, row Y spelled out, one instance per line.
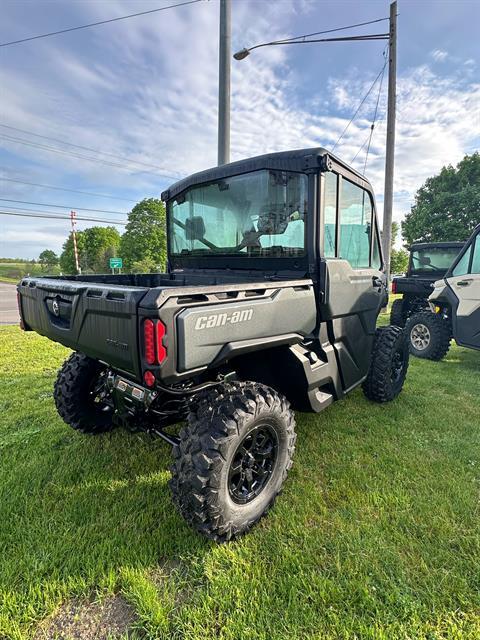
column 437, row 337
column 397, row 315
column 216, row 431
column 74, row 396
column 388, row 366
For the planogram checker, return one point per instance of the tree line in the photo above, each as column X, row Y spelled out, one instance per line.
column 143, row 245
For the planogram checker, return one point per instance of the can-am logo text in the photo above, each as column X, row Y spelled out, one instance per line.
column 221, row 319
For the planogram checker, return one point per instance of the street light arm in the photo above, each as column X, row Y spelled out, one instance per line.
column 243, row 53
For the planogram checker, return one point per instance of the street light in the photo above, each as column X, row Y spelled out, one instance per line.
column 243, row 53
column 391, row 36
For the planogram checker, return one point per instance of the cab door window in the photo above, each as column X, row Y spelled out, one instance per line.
column 476, row 256
column 330, row 214
column 470, row 261
column 355, row 225
column 464, row 264
column 376, row 253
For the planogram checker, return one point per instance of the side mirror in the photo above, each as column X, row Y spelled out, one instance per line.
column 194, row 228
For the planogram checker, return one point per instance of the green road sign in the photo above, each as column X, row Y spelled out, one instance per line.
column 116, row 263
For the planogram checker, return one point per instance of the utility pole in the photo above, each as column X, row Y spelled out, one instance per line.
column 73, row 218
column 390, row 155
column 224, row 82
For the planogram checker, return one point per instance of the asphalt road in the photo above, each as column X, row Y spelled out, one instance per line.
column 8, row 304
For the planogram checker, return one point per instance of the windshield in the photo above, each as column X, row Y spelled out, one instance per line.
column 433, row 259
column 261, row 213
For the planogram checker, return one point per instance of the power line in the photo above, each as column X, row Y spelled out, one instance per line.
column 372, row 127
column 28, row 210
column 57, row 217
column 44, row 147
column 95, row 24
column 38, row 145
column 60, row 206
column 370, row 37
column 78, row 146
column 54, row 188
column 365, row 142
column 240, row 55
column 360, row 149
column 382, row 70
column 319, row 33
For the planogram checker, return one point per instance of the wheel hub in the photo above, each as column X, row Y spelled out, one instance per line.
column 420, row 337
column 252, row 464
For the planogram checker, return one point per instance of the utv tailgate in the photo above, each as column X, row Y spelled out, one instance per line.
column 99, row 320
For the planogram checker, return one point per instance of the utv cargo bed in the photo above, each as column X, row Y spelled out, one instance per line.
column 103, row 320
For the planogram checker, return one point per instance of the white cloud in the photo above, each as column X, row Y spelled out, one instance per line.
column 438, row 121
column 439, row 55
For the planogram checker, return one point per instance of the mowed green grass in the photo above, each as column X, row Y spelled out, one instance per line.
column 12, row 272
column 376, row 535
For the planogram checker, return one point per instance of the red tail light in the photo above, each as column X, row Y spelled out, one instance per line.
column 149, row 341
column 149, row 378
column 161, row 351
column 153, row 335
column 394, row 286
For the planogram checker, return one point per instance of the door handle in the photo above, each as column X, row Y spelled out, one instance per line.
column 377, row 282
column 464, row 283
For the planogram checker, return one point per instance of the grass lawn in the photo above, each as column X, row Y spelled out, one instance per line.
column 12, row 272
column 376, row 535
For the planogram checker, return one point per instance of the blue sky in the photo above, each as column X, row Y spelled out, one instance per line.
column 145, row 90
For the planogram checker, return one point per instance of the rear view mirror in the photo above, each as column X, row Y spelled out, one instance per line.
column 194, row 228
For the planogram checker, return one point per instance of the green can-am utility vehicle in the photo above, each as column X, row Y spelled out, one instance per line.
column 275, row 281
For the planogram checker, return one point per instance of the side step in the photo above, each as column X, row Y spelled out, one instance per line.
column 319, row 374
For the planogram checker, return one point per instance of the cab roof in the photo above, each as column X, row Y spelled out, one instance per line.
column 439, row 245
column 299, row 160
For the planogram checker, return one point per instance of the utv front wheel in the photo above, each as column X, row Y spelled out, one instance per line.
column 81, row 397
column 388, row 366
column 429, row 335
column 232, row 459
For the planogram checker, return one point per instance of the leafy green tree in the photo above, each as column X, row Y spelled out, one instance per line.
column 48, row 259
column 398, row 261
column 101, row 244
column 447, row 206
column 399, row 257
column 146, row 265
column 145, row 236
column 67, row 259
